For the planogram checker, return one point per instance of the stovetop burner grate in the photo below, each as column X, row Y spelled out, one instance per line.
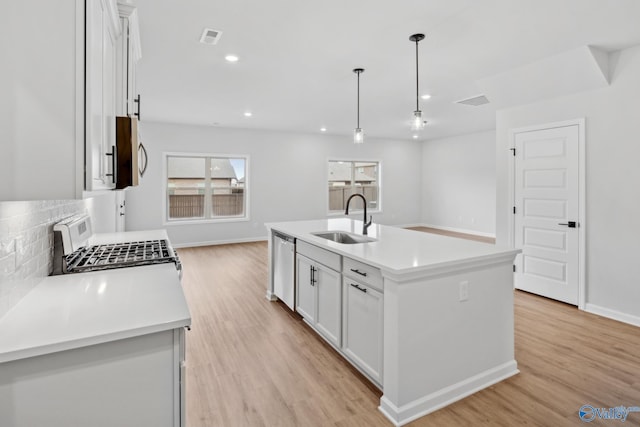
column 118, row 255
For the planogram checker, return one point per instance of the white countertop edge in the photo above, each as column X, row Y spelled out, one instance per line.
column 449, row 267
column 23, row 353
column 403, row 275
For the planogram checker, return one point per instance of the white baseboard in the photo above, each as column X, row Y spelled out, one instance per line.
column 456, row 230
column 400, row 416
column 407, row 225
column 219, row 242
column 612, row 314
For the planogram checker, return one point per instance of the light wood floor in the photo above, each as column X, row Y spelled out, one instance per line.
column 252, row 362
column 454, row 234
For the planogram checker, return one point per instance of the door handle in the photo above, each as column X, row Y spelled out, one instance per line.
column 114, row 158
column 313, row 275
column 139, row 102
column 570, row 224
column 145, row 159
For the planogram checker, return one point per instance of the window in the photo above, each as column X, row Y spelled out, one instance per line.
column 353, row 177
column 206, row 187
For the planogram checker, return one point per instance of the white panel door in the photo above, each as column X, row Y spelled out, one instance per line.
column 547, row 212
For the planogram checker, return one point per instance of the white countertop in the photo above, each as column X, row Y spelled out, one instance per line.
column 76, row 310
column 396, row 250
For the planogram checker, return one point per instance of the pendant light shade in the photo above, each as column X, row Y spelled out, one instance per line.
column 417, row 122
column 358, row 135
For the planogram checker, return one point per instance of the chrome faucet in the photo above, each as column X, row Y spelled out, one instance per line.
column 365, row 224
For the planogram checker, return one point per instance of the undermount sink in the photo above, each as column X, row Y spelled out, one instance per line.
column 343, row 237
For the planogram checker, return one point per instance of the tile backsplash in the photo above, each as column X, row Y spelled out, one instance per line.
column 26, row 244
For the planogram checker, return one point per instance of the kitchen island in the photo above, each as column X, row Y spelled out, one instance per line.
column 427, row 318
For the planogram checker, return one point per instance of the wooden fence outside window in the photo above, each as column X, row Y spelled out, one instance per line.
column 193, row 206
column 338, row 197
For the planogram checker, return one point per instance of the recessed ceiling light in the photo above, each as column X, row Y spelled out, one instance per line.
column 323, row 129
column 415, row 136
column 231, row 58
column 426, row 96
column 248, row 114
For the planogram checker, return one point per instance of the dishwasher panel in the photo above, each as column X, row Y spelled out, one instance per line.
column 284, row 251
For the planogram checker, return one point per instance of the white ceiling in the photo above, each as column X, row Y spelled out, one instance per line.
column 296, row 58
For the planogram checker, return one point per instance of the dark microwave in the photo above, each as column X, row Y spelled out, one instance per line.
column 130, row 153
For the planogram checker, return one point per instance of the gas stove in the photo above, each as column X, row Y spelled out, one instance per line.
column 75, row 253
column 119, row 255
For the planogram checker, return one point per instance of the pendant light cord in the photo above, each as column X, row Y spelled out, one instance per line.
column 417, row 87
column 358, row 107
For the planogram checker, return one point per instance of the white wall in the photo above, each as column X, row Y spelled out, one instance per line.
column 612, row 181
column 459, row 183
column 287, row 178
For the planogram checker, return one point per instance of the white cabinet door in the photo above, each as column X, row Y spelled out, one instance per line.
column 329, row 308
column 100, row 96
column 124, row 383
column 305, row 288
column 362, row 334
column 128, row 54
column 41, row 100
column 95, row 126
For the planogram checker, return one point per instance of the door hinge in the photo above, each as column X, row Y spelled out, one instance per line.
column 513, row 150
column 514, row 268
column 514, row 210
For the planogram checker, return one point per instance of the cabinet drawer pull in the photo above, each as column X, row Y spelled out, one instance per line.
column 359, row 288
column 355, row 270
column 313, row 276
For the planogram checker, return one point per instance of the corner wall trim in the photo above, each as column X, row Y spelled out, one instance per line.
column 612, row 314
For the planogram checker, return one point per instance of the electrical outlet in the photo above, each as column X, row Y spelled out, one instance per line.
column 464, row 290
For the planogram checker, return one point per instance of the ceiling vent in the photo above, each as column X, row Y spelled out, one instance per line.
column 474, row 101
column 210, row 36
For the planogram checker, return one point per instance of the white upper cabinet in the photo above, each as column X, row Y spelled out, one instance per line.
column 42, row 100
column 51, row 146
column 128, row 54
column 102, row 32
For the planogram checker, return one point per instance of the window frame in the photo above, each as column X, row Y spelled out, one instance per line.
column 378, row 209
column 191, row 221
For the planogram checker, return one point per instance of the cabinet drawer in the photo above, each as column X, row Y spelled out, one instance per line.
column 317, row 254
column 362, row 272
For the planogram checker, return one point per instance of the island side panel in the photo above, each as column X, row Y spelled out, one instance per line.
column 269, row 295
column 439, row 349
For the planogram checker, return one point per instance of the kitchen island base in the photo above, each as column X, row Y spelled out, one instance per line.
column 440, row 347
column 431, row 320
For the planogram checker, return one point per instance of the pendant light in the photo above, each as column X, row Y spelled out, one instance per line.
column 358, row 135
column 417, row 123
